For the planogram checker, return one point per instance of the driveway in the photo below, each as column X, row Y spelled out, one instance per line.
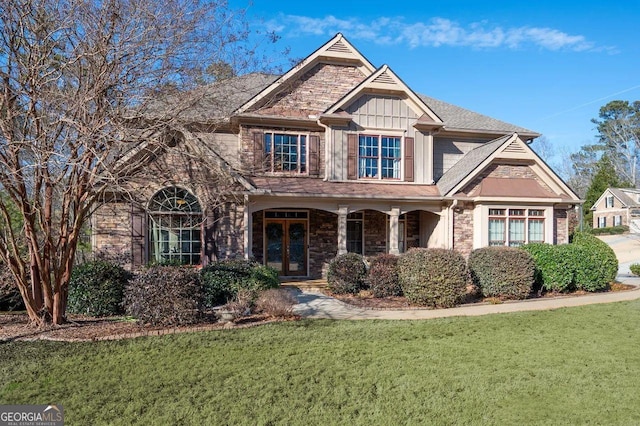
column 627, row 249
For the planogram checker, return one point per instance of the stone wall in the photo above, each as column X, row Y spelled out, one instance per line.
column 111, row 230
column 375, row 233
column 560, row 232
column 610, row 215
column 463, row 231
column 323, row 241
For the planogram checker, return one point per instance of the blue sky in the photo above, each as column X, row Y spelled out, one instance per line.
column 544, row 65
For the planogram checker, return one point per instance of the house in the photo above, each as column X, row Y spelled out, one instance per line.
column 618, row 207
column 337, row 156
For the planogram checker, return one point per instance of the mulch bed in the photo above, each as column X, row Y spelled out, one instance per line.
column 15, row 326
column 365, row 299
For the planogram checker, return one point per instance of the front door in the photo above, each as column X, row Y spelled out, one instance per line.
column 286, row 246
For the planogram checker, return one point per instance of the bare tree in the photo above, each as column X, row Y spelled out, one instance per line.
column 76, row 77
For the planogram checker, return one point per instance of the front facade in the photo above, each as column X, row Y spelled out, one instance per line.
column 618, row 207
column 338, row 156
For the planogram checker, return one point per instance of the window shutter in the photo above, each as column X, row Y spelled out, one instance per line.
column 258, row 151
column 408, row 159
column 352, row 156
column 209, row 227
column 314, row 155
column 138, row 236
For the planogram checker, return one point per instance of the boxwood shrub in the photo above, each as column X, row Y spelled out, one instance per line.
column 96, row 288
column 383, row 276
column 596, row 264
column 165, row 295
column 222, row 280
column 433, row 277
column 555, row 270
column 635, row 269
column 505, row 272
column 346, row 273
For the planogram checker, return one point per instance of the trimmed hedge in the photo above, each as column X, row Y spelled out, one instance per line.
column 554, row 265
column 97, row 288
column 612, row 230
column 383, row 276
column 433, row 277
column 347, row 273
column 595, row 262
column 635, row 269
column 222, row 280
column 165, row 295
column 505, row 272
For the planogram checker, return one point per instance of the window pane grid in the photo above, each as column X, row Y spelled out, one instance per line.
column 286, row 152
column 379, row 157
column 523, row 226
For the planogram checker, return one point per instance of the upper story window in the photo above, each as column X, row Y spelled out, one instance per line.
column 286, row 152
column 515, row 227
column 379, row 157
column 608, row 201
column 175, row 227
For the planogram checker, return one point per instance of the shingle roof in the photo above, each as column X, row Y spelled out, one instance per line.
column 303, row 186
column 468, row 164
column 213, row 101
column 625, row 198
column 456, row 117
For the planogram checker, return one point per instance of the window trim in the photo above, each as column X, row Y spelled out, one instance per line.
column 524, row 215
column 379, row 157
column 269, row 152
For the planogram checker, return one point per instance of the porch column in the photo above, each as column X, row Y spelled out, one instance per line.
column 393, row 231
column 343, row 211
column 248, row 227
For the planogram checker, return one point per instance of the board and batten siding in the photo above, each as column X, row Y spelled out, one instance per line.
column 374, row 115
column 448, row 151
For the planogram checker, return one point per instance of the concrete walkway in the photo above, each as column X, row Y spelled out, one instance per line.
column 314, row 304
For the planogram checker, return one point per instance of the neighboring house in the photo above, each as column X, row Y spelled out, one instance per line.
column 339, row 156
column 618, row 206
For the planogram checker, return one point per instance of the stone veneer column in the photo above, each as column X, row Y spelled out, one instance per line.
column 343, row 211
column 393, row 231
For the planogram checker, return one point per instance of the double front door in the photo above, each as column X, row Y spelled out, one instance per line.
column 286, row 246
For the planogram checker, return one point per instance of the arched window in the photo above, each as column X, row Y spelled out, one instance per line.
column 175, row 227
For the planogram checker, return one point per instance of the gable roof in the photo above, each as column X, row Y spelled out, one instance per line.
column 384, row 79
column 621, row 195
column 337, row 49
column 510, row 148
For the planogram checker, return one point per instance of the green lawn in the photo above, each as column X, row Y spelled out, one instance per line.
column 570, row 366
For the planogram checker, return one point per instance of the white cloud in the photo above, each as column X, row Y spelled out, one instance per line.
column 435, row 33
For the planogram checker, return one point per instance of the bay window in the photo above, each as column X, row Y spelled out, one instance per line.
column 515, row 227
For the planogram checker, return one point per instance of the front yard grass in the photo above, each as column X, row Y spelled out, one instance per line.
column 568, row 366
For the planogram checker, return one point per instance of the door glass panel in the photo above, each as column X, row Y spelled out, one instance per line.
column 297, row 256
column 275, row 239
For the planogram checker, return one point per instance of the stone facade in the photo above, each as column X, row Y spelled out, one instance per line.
column 505, row 171
column 323, row 241
column 111, row 229
column 463, row 231
column 561, row 224
column 314, row 91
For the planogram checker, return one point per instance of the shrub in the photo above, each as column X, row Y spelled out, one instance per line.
column 506, row 272
column 635, row 269
column 276, row 303
column 10, row 297
column 596, row 264
column 554, row 270
column 96, row 288
column 383, row 276
column 165, row 295
column 222, row 280
column 612, row 230
column 346, row 273
column 433, row 277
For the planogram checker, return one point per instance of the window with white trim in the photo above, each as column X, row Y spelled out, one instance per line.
column 608, row 202
column 175, row 218
column 617, row 220
column 355, row 232
column 515, row 227
column 286, row 152
column 379, row 157
column 602, row 222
